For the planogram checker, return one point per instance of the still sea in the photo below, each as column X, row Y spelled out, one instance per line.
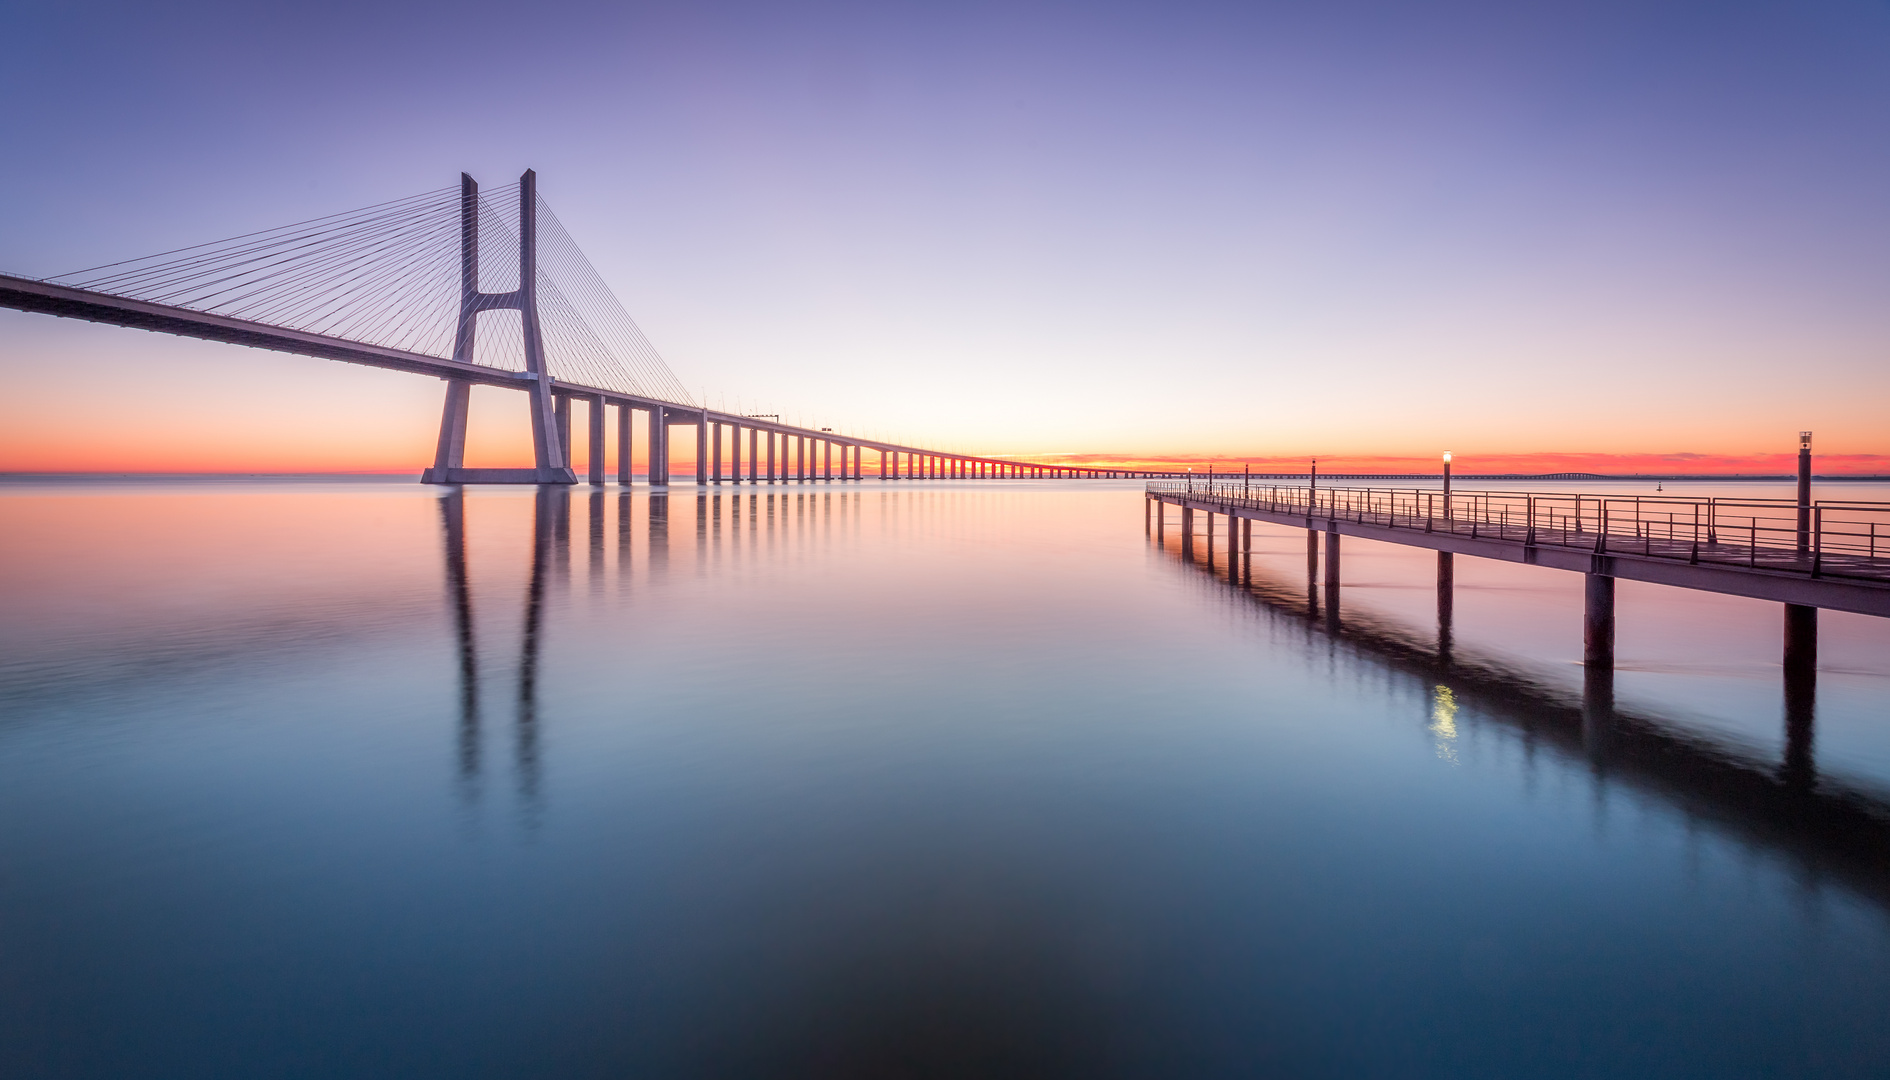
column 321, row 779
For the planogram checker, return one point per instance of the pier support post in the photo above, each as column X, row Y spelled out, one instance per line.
column 1187, row 532
column 1332, row 565
column 1598, row 621
column 1312, row 553
column 1446, row 605
column 1801, row 639
column 1801, row 706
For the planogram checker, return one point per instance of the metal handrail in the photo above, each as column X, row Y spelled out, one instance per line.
column 1847, row 538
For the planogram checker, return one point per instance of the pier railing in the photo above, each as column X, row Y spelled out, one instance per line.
column 1835, row 539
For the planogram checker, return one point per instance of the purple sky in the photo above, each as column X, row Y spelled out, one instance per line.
column 1242, row 229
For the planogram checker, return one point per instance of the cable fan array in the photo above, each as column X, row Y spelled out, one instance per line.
column 389, row 275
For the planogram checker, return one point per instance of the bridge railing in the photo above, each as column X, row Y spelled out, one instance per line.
column 1839, row 539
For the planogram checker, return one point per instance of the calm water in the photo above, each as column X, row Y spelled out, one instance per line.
column 308, row 780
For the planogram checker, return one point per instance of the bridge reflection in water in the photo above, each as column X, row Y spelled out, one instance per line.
column 1829, row 830
column 754, row 517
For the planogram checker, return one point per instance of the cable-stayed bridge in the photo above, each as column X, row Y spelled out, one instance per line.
column 479, row 288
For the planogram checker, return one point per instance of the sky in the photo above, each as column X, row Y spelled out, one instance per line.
column 1612, row 237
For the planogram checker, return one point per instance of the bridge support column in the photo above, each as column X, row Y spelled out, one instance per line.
column 564, row 427
column 754, row 462
column 770, row 457
column 735, row 453
column 715, row 453
column 1312, row 553
column 1598, row 621
column 597, row 440
column 1332, row 566
column 702, row 448
column 1187, row 532
column 624, row 456
column 659, row 446
column 451, row 453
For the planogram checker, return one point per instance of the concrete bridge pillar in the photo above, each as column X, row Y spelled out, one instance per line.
column 563, row 408
column 1332, row 566
column 1187, row 532
column 597, row 408
column 624, row 412
column 754, row 462
column 702, row 447
column 659, row 446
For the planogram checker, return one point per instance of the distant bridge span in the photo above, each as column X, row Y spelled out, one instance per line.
column 372, row 271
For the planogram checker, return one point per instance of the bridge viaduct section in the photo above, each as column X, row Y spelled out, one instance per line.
column 775, row 451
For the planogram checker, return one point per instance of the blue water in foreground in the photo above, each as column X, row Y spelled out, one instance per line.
column 874, row 780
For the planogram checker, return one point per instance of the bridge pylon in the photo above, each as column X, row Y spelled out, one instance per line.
column 552, row 466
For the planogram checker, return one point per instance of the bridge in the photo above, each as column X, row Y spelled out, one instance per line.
column 403, row 285
column 1802, row 553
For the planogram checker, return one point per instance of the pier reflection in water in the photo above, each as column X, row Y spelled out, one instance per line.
column 1832, row 831
column 824, row 781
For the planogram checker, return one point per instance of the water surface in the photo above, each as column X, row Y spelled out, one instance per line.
column 896, row 780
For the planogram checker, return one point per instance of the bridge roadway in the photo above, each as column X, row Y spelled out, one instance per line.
column 896, row 460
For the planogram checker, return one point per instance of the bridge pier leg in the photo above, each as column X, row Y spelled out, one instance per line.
column 451, row 453
column 1312, row 554
column 659, row 446
column 1332, row 567
column 1187, row 532
column 1210, row 538
column 624, row 455
column 702, row 448
column 597, row 440
column 564, row 427
column 1598, row 621
column 754, row 462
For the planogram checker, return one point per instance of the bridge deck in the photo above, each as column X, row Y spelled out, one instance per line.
column 1742, row 547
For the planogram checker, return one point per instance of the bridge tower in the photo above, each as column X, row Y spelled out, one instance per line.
column 548, row 450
